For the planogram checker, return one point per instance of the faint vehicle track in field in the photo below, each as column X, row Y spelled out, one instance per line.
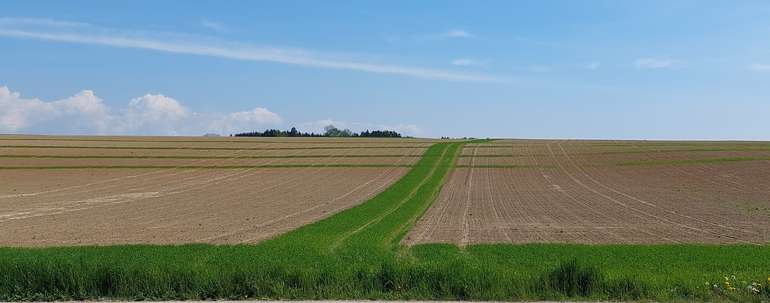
column 572, row 198
column 495, row 210
column 651, row 204
column 431, row 222
column 341, row 239
column 138, row 192
column 466, row 229
column 711, row 171
column 686, row 227
column 577, row 181
column 82, row 204
column 295, row 214
column 154, row 174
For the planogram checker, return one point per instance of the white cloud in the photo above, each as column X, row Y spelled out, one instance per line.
column 213, row 25
column 457, row 33
column 154, row 112
column 83, row 110
column 318, row 126
column 653, row 63
column 151, row 114
column 468, row 62
column 760, row 67
column 50, row 30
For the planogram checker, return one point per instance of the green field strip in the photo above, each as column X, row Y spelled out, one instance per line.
column 333, row 165
column 652, row 151
column 206, row 148
column 387, row 213
column 205, row 157
column 692, row 161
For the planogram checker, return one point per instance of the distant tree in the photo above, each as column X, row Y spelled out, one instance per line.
column 332, row 131
column 329, row 131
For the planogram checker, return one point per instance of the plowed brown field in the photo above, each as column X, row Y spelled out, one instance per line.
column 200, row 203
column 535, row 191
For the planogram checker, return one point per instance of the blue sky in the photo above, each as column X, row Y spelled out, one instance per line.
column 525, row 69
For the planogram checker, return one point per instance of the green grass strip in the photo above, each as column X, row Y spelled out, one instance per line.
column 355, row 255
column 692, row 161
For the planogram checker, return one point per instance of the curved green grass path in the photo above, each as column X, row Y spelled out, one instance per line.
column 356, row 254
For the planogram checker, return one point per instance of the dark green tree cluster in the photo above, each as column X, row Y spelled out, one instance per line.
column 293, row 132
column 329, row 131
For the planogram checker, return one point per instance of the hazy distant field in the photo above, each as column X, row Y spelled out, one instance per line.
column 610, row 192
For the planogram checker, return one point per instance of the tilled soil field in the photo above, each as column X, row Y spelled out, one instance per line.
column 603, row 192
column 189, row 200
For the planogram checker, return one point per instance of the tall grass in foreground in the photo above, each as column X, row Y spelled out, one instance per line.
column 482, row 272
column 355, row 255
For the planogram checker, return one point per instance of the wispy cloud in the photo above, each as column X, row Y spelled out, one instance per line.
column 457, row 33
column 468, row 62
column 654, row 63
column 760, row 67
column 213, row 25
column 49, row 30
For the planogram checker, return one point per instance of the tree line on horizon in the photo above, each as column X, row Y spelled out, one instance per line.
column 329, row 131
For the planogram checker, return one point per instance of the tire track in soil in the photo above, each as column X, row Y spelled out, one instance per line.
column 685, row 227
column 600, row 214
column 291, row 215
column 637, row 213
column 465, row 231
column 518, row 211
column 698, row 177
column 192, row 215
column 122, row 198
column 651, row 204
column 283, row 181
column 499, row 222
column 735, row 185
column 398, row 205
column 77, row 205
column 580, row 204
column 431, row 223
column 179, row 186
column 171, row 172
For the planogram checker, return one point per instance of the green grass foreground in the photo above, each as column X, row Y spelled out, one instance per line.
column 356, row 254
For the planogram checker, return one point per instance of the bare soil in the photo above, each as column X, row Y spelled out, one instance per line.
column 576, row 192
column 45, row 207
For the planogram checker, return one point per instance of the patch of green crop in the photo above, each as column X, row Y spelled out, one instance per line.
column 692, row 161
